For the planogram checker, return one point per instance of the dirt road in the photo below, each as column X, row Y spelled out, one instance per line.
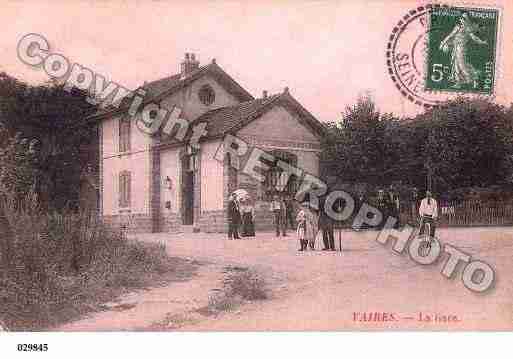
column 323, row 290
column 366, row 287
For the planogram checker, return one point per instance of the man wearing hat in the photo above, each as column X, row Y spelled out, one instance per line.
column 234, row 217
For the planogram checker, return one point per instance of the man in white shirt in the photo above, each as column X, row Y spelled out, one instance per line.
column 428, row 212
column 278, row 208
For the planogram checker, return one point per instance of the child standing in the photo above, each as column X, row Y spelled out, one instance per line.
column 301, row 230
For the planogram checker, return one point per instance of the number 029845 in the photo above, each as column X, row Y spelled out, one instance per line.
column 32, row 347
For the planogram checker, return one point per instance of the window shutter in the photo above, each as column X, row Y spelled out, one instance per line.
column 121, row 188
column 121, row 143
column 128, row 188
column 124, row 135
column 128, row 144
column 125, row 184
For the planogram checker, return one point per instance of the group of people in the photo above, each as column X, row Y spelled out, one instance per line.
column 283, row 214
column 240, row 217
column 389, row 205
column 308, row 222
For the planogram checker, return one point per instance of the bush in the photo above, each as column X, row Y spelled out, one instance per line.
column 246, row 284
column 58, row 266
column 239, row 285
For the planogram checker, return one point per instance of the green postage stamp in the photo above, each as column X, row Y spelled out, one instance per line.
column 461, row 51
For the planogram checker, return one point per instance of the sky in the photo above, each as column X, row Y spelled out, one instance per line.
column 327, row 52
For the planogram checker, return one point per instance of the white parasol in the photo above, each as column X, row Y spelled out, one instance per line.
column 241, row 194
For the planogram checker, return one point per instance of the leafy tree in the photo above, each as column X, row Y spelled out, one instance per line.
column 463, row 143
column 19, row 171
column 54, row 117
column 354, row 150
column 466, row 144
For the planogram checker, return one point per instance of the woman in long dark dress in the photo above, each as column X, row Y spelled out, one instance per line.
column 248, row 227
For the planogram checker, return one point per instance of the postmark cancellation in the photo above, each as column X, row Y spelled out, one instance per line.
column 438, row 52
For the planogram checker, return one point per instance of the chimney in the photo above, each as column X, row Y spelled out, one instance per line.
column 189, row 64
column 264, row 94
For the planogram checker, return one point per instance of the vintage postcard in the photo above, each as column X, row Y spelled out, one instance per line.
column 256, row 166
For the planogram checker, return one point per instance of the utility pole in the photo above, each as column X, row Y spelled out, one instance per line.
column 429, row 162
column 429, row 176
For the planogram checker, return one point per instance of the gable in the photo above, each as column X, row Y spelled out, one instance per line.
column 279, row 123
column 169, row 88
column 188, row 99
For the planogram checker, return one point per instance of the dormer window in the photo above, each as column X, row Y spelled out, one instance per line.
column 206, row 95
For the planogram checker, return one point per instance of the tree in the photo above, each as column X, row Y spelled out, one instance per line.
column 53, row 116
column 354, row 149
column 464, row 143
column 19, row 171
column 468, row 144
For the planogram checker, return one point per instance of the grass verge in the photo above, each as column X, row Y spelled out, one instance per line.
column 56, row 267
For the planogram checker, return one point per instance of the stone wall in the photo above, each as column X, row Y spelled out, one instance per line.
column 216, row 221
column 213, row 222
column 134, row 223
column 170, row 223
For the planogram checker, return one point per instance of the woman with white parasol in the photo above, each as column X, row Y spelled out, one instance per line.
column 241, row 195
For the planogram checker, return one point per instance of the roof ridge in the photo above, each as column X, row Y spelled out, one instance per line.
column 238, row 112
column 177, row 75
column 265, row 102
column 156, row 90
column 239, row 105
column 269, row 98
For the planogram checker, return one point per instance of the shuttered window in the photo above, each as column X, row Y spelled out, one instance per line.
column 124, row 135
column 124, row 189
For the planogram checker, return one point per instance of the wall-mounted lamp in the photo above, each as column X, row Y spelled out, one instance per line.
column 169, row 183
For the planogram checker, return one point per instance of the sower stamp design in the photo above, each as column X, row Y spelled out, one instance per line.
column 462, row 50
column 436, row 53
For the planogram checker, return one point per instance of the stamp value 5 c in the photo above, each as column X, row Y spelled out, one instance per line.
column 437, row 52
column 461, row 52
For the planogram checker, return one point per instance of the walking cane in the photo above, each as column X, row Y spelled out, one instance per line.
column 340, row 238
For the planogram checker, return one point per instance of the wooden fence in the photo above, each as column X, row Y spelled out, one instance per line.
column 464, row 213
column 467, row 213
